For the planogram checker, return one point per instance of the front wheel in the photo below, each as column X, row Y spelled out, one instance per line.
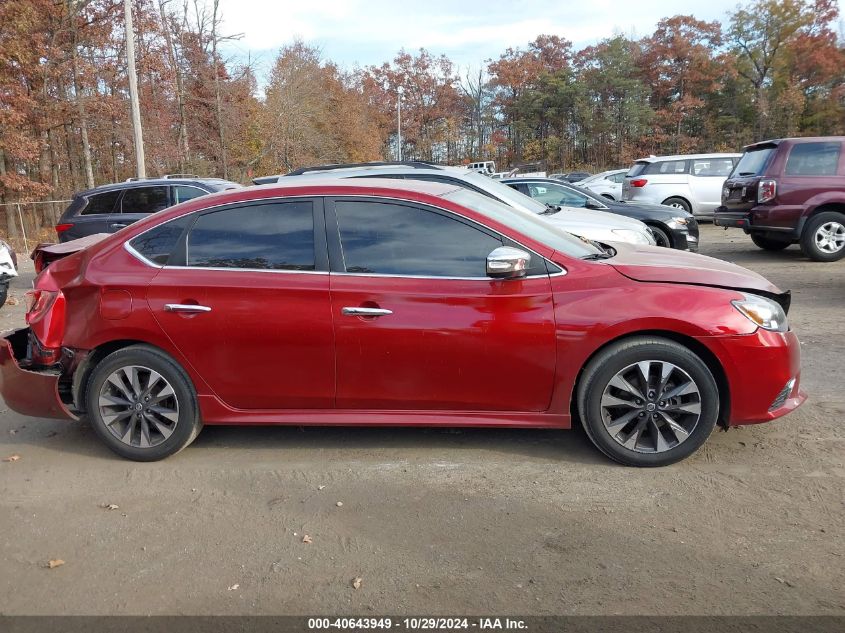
column 769, row 244
column 661, row 237
column 823, row 238
column 648, row 401
column 142, row 404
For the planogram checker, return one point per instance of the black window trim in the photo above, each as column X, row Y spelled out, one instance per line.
column 178, row 255
column 338, row 266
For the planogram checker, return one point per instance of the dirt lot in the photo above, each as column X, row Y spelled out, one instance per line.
column 432, row 521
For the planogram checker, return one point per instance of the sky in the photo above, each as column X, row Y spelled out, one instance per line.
column 370, row 32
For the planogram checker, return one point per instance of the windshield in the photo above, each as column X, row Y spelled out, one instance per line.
column 525, row 222
column 753, row 162
column 505, row 193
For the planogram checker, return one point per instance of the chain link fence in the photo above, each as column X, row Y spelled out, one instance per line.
column 24, row 224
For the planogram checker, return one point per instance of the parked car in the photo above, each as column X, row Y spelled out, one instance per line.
column 689, row 182
column 8, row 269
column 593, row 225
column 607, row 184
column 789, row 191
column 378, row 302
column 109, row 208
column 265, row 180
column 672, row 228
column 576, row 176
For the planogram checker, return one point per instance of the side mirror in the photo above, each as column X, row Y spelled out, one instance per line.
column 595, row 205
column 507, row 262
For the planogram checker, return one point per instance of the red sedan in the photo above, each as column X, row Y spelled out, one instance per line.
column 373, row 302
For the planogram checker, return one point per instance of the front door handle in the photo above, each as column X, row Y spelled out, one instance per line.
column 365, row 312
column 185, row 307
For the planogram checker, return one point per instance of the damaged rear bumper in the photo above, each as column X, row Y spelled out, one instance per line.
column 29, row 391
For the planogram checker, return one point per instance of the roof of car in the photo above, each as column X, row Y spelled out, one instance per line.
column 654, row 159
column 145, row 182
column 314, row 181
column 794, row 139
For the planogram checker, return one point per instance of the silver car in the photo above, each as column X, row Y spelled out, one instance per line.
column 598, row 226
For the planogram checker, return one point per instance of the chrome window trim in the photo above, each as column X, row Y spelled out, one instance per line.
column 152, row 264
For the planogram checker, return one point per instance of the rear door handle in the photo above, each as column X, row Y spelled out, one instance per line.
column 365, row 312
column 185, row 307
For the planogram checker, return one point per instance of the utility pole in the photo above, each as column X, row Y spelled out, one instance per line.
column 140, row 162
column 399, row 92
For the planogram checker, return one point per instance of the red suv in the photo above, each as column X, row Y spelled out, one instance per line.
column 381, row 302
column 787, row 191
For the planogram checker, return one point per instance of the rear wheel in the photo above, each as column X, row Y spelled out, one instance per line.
column 678, row 203
column 142, row 404
column 823, row 239
column 648, row 401
column 4, row 293
column 768, row 243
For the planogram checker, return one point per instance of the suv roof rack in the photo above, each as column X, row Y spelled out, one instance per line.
column 415, row 164
column 165, row 177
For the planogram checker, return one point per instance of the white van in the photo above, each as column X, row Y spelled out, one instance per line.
column 486, row 167
column 692, row 182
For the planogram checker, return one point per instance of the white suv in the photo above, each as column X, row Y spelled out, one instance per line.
column 691, row 182
column 607, row 184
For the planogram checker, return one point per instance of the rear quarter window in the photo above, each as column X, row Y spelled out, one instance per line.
column 813, row 159
column 158, row 243
column 637, row 168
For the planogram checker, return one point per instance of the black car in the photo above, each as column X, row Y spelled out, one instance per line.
column 673, row 228
column 109, row 208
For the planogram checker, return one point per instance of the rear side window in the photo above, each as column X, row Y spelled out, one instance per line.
column 144, row 200
column 277, row 236
column 813, row 159
column 667, row 167
column 158, row 243
column 394, row 239
column 101, row 203
column 183, row 193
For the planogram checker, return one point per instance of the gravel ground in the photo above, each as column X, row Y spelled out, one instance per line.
column 443, row 522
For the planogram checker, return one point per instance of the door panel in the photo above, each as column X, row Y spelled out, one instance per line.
column 449, row 344
column 447, row 337
column 261, row 335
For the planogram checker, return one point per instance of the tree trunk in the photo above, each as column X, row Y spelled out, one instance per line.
column 11, row 224
column 80, row 105
column 180, row 91
column 217, row 98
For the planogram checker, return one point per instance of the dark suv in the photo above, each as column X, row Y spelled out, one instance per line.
column 109, row 208
column 790, row 191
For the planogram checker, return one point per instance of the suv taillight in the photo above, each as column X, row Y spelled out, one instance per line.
column 766, row 191
column 639, row 182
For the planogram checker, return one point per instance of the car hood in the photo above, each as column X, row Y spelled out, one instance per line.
column 570, row 218
column 664, row 265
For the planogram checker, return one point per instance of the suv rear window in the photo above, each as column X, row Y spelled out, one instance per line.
column 813, row 159
column 753, row 162
column 101, row 203
column 637, row 169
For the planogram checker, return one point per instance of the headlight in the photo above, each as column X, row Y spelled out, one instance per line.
column 677, row 223
column 762, row 312
column 635, row 237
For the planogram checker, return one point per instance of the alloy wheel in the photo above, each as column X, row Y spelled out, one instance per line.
column 830, row 237
column 651, row 406
column 138, row 406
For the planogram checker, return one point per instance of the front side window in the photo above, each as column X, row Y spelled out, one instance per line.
column 183, row 193
column 158, row 243
column 101, row 203
column 144, row 200
column 396, row 239
column 275, row 236
column 813, row 159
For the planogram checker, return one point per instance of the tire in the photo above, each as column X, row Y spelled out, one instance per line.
column 660, row 236
column 171, row 417
column 769, row 244
column 597, row 399
column 823, row 238
column 4, row 293
column 678, row 203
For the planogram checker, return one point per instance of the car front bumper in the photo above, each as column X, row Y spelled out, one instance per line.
column 29, row 392
column 759, row 368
